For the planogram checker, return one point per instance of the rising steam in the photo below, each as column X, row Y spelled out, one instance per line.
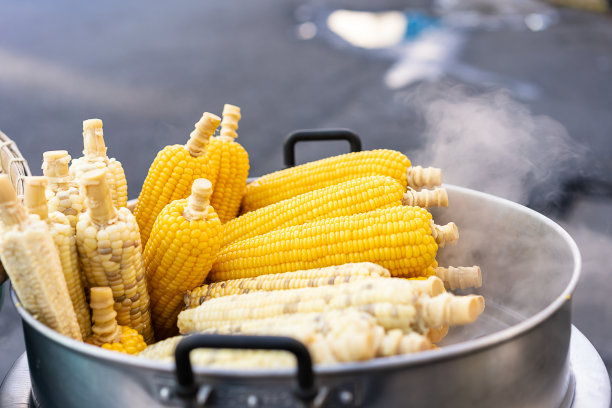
column 489, row 142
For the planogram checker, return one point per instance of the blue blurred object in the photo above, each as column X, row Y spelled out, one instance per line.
column 417, row 23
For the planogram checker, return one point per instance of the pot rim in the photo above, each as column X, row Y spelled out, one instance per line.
column 416, row 359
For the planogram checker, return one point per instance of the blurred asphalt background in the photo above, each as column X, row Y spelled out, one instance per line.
column 150, row 70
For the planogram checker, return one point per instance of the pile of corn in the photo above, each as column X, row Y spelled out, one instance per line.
column 339, row 253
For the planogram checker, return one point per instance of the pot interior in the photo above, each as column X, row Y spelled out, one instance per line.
column 528, row 262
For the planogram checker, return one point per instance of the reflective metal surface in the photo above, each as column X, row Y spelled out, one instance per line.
column 514, row 355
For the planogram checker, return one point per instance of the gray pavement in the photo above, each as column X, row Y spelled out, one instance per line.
column 150, row 70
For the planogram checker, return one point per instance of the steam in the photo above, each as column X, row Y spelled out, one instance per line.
column 490, row 142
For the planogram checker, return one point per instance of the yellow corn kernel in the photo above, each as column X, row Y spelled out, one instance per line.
column 180, row 252
column 354, row 196
column 229, row 166
column 94, row 157
column 331, row 275
column 131, row 342
column 172, row 173
column 108, row 242
column 31, row 261
column 397, row 238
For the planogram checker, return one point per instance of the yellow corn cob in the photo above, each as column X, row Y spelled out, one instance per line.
column 398, row 238
column 109, row 247
column 331, row 337
column 331, row 275
column 229, row 166
column 172, row 173
column 107, row 334
column 353, row 196
column 287, row 183
column 395, row 303
column 94, row 157
column 32, row 263
column 180, row 251
column 62, row 191
column 65, row 242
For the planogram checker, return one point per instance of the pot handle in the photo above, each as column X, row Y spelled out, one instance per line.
column 311, row 135
column 187, row 388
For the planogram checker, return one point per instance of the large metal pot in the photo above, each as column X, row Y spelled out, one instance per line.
column 516, row 354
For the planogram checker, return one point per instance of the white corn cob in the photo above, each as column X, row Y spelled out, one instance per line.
column 109, row 248
column 331, row 337
column 396, row 303
column 65, row 242
column 62, row 192
column 330, row 275
column 31, row 261
column 94, row 157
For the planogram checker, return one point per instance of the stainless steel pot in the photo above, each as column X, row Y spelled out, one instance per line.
column 516, row 354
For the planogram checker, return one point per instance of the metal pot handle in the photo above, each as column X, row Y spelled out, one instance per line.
column 187, row 388
column 311, row 135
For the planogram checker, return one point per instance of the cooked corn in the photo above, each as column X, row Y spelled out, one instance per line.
column 287, row 183
column 32, row 263
column 229, row 166
column 108, row 241
column 65, row 242
column 172, row 173
column 331, row 275
column 94, row 157
column 62, row 191
column 331, row 337
column 180, row 251
column 462, row 277
column 353, row 196
column 222, row 358
column 107, row 334
column 398, row 238
column 395, row 303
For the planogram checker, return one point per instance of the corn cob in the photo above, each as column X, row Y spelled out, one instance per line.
column 462, row 277
column 109, row 248
column 32, row 263
column 62, row 192
column 437, row 197
column 331, row 275
column 107, row 334
column 94, row 157
column 105, row 328
column 395, row 303
column 398, row 238
column 335, row 335
column 172, row 173
column 287, row 183
column 353, row 196
column 331, row 337
column 65, row 242
column 182, row 247
column 229, row 166
column 220, row 358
